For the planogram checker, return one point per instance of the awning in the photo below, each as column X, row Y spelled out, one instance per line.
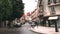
column 53, row 18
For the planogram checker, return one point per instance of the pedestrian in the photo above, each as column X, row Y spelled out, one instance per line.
column 33, row 24
column 9, row 25
column 42, row 22
column 36, row 23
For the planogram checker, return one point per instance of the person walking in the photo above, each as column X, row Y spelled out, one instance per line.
column 9, row 25
column 36, row 24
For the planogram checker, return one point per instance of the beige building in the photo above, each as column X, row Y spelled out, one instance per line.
column 38, row 12
column 48, row 7
column 34, row 15
column 45, row 9
column 22, row 19
column 51, row 7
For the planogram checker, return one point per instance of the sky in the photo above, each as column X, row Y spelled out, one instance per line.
column 29, row 5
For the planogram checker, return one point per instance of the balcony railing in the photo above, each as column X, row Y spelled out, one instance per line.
column 53, row 2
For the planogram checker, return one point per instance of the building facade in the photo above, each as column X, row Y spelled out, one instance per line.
column 50, row 8
column 34, row 15
column 46, row 9
column 22, row 19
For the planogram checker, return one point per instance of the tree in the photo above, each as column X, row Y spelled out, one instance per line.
column 5, row 9
column 18, row 8
column 11, row 9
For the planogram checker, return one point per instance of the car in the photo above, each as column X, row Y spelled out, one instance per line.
column 17, row 25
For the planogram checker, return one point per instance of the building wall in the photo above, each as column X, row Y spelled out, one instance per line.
column 22, row 19
column 57, row 8
column 47, row 8
column 34, row 15
column 38, row 12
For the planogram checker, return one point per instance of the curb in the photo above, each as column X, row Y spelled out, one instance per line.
column 36, row 32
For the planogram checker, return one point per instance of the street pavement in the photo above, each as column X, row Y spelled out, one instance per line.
column 21, row 30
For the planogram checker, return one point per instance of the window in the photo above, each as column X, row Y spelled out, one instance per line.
column 58, row 1
column 54, row 1
column 51, row 1
column 52, row 10
column 40, row 3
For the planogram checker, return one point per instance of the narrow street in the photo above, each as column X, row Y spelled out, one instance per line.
column 22, row 30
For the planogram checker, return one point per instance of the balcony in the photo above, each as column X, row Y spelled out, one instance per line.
column 54, row 4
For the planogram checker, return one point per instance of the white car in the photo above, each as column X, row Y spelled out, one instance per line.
column 17, row 24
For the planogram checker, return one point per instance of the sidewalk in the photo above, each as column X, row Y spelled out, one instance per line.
column 7, row 29
column 45, row 30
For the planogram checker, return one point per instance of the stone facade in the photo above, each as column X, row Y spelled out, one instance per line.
column 51, row 7
column 45, row 9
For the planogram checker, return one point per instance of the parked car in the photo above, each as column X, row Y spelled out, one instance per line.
column 17, row 24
